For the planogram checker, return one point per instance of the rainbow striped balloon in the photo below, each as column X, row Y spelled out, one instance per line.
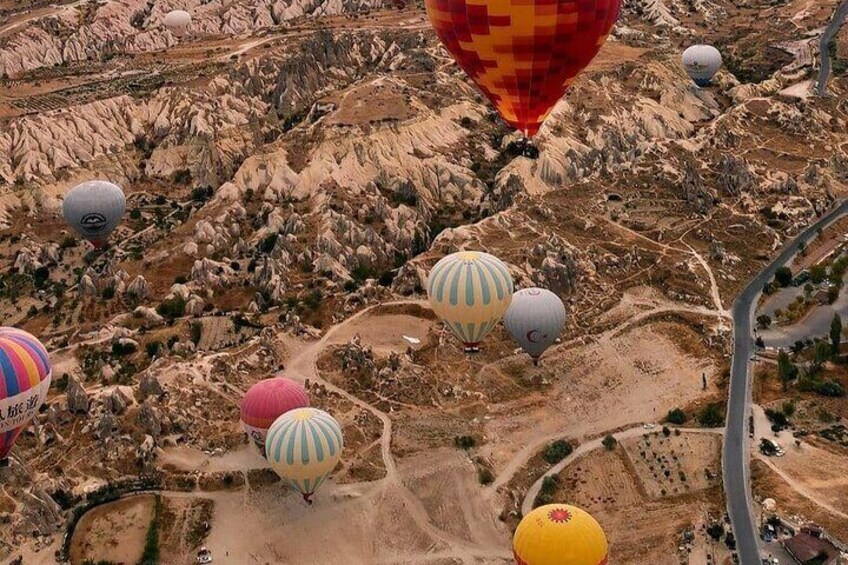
column 24, row 382
column 470, row 291
column 303, row 447
column 266, row 401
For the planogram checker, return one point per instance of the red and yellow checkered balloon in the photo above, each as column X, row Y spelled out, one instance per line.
column 523, row 54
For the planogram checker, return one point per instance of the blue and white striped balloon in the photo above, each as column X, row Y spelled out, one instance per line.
column 303, row 447
column 470, row 291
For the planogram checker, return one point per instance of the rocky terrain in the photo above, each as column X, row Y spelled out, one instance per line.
column 290, row 164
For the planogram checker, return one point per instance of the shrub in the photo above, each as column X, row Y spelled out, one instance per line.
column 172, row 309
column 153, row 348
column 666, row 432
column 783, row 276
column 135, row 214
column 676, row 416
column 120, row 349
column 464, row 442
column 711, row 415
column 109, row 293
column 831, row 388
column 609, row 443
column 778, row 419
column 485, row 476
column 557, row 451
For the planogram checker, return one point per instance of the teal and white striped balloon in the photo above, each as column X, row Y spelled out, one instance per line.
column 303, row 447
column 470, row 291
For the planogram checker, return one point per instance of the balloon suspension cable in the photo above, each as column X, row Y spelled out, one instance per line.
column 535, row 361
column 307, row 496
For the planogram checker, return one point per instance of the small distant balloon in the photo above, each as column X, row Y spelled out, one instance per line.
column 702, row 62
column 266, row 401
column 470, row 291
column 535, row 319
column 559, row 534
column 177, row 22
column 303, row 447
column 24, row 381
column 94, row 209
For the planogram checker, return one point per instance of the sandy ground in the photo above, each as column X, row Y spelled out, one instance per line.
column 113, row 532
column 633, row 377
column 817, row 473
column 640, row 529
column 384, row 333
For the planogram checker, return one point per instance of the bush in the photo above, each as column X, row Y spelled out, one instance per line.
column 609, row 443
column 109, row 293
column 313, row 301
column 764, row 320
column 464, row 442
column 676, row 416
column 120, row 349
column 788, row 408
column 135, row 214
column 557, row 451
column 172, row 309
column 778, row 419
column 831, row 388
column 153, row 348
column 267, row 244
column 711, row 415
column 783, row 276
column 150, row 556
column 666, row 432
column 485, row 476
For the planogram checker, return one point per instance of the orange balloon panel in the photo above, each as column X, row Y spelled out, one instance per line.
column 523, row 54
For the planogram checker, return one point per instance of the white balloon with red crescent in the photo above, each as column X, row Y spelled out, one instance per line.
column 535, row 319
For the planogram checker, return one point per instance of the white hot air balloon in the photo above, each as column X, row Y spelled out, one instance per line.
column 94, row 209
column 177, row 22
column 702, row 62
column 535, row 319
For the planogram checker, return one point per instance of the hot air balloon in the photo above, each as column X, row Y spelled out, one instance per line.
column 559, row 534
column 525, row 54
column 535, row 319
column 470, row 291
column 303, row 447
column 702, row 62
column 94, row 209
column 24, row 381
column 177, row 22
column 266, row 401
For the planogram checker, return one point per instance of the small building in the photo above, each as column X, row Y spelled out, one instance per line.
column 809, row 545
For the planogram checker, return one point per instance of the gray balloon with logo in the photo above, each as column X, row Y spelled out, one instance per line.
column 94, row 209
column 535, row 319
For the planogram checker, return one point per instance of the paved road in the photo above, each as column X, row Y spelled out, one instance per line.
column 735, row 458
column 824, row 47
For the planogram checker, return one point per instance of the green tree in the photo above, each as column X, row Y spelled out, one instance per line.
column 786, row 369
column 783, row 276
column 764, row 321
column 821, row 353
column 835, row 334
column 676, row 416
column 711, row 415
column 609, row 443
column 818, row 273
column 557, row 451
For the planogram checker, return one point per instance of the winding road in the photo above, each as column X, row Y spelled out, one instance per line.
column 824, row 47
column 735, row 461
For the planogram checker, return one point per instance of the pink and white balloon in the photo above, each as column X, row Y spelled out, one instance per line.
column 535, row 319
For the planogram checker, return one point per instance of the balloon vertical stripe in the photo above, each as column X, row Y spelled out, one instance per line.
column 303, row 447
column 24, row 383
column 470, row 291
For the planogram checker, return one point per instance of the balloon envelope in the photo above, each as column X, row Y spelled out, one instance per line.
column 559, row 534
column 702, row 62
column 524, row 54
column 24, row 382
column 470, row 291
column 535, row 319
column 177, row 21
column 94, row 209
column 266, row 401
column 303, row 447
